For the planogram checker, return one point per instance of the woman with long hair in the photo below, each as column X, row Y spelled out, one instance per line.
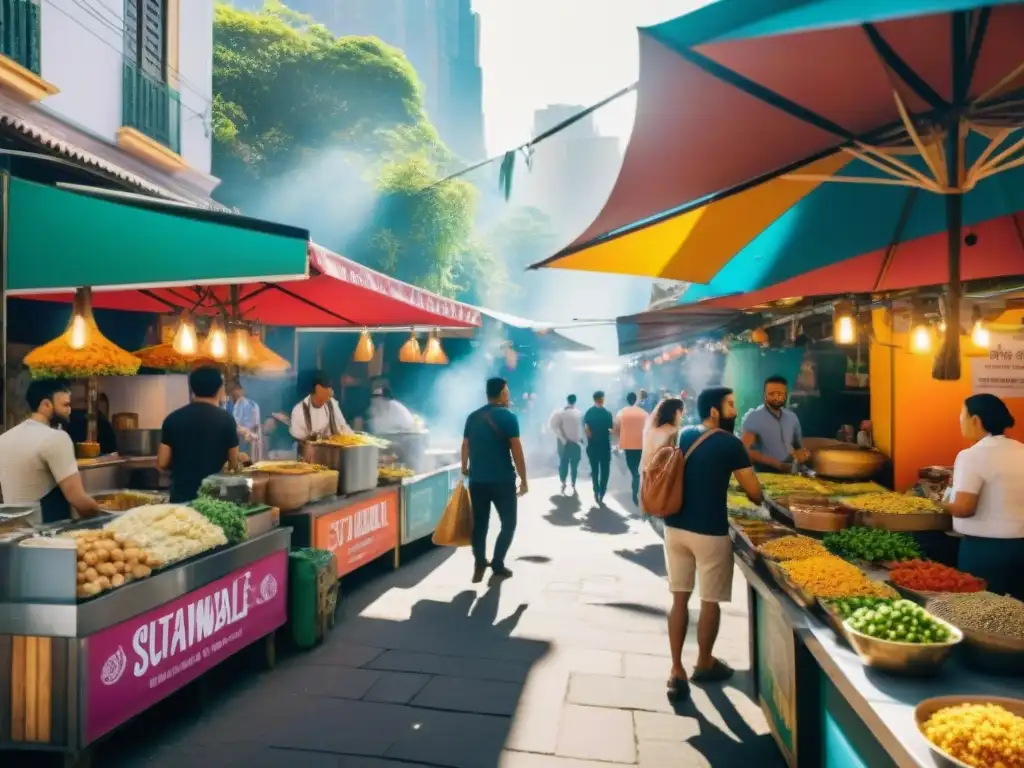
column 666, row 422
column 987, row 496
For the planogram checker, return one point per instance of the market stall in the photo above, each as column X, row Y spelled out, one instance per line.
column 846, row 668
column 423, row 499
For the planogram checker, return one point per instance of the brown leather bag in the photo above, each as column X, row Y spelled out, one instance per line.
column 661, row 486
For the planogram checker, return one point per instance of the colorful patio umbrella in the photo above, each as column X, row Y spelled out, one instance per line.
column 775, row 138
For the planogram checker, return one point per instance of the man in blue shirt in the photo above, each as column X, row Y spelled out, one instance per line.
column 598, row 423
column 698, row 550
column 772, row 431
column 490, row 446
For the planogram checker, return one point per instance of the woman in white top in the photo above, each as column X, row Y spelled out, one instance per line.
column 987, row 497
column 666, row 421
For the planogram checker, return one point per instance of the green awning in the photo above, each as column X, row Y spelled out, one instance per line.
column 59, row 239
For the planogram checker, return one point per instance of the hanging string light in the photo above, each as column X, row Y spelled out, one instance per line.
column 185, row 341
column 364, row 348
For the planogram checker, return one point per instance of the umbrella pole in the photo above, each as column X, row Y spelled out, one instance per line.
column 947, row 363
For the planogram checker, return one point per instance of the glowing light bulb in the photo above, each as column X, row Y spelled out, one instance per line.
column 942, row 326
column 79, row 333
column 920, row 339
column 846, row 330
column 185, row 342
column 242, row 346
column 218, row 342
column 980, row 336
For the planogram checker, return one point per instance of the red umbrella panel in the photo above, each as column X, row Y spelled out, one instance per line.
column 338, row 293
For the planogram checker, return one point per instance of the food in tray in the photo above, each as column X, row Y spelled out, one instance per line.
column 980, row 735
column 285, row 467
column 394, row 473
column 353, row 440
column 856, row 489
column 828, row 576
column 792, row 548
column 167, row 533
column 105, row 562
column 122, row 501
column 927, row 576
column 739, row 501
column 899, row 621
column 874, row 545
column 785, row 485
column 982, row 612
column 228, row 516
column 889, row 503
column 847, row 605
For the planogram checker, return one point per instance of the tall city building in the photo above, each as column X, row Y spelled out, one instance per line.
column 441, row 39
column 572, row 172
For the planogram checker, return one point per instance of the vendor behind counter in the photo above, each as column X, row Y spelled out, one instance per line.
column 772, row 432
column 78, row 423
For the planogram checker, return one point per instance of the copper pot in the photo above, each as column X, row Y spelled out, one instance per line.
column 848, row 463
column 125, row 421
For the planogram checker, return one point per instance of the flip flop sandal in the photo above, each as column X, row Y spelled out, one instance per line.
column 716, row 673
column 678, row 689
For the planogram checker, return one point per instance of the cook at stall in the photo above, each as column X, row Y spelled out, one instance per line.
column 78, row 424
column 772, row 431
column 387, row 415
column 247, row 418
column 986, row 499
column 198, row 439
column 318, row 415
column 37, row 458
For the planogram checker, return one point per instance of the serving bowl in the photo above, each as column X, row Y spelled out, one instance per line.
column 928, row 707
column 903, row 658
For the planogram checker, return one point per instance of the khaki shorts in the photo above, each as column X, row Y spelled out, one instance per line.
column 708, row 558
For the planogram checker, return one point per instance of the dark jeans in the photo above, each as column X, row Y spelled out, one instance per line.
column 633, row 464
column 998, row 561
column 569, row 461
column 600, row 463
column 503, row 497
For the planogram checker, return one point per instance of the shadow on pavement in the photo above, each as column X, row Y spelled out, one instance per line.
column 719, row 747
column 651, row 557
column 563, row 511
column 536, row 559
column 437, row 687
column 603, row 520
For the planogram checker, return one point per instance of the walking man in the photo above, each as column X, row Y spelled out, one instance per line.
column 629, row 424
column 598, row 424
column 567, row 426
column 490, row 447
column 697, row 540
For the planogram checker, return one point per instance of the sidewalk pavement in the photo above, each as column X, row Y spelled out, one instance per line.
column 562, row 666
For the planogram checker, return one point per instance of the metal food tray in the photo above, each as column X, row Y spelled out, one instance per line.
column 799, row 596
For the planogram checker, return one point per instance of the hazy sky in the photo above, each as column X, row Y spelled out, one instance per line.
column 539, row 52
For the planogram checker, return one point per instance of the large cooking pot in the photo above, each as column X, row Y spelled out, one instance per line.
column 848, row 462
column 138, row 442
column 124, row 421
column 356, row 465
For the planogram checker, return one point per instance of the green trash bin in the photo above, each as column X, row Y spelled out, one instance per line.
column 312, row 594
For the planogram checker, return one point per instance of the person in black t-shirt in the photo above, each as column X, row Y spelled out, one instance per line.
column 697, row 537
column 199, row 438
column 598, row 423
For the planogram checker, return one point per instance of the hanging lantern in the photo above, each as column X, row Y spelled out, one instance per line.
column 410, row 352
column 980, row 336
column 216, row 344
column 844, row 323
column 241, row 346
column 364, row 348
column 921, row 339
column 185, row 341
column 434, row 353
column 759, row 336
column 264, row 360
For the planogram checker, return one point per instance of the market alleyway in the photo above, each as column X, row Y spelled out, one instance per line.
column 563, row 666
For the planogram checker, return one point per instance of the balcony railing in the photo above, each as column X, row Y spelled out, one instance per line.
column 20, row 32
column 151, row 107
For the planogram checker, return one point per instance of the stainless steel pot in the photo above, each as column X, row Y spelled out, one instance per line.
column 138, row 442
column 356, row 466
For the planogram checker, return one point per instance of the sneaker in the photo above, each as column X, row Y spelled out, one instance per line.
column 501, row 571
column 563, row 487
column 478, row 573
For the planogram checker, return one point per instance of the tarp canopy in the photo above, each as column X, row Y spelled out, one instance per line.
column 148, row 255
column 545, row 334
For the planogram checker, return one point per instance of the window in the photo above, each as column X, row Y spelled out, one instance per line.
column 144, row 42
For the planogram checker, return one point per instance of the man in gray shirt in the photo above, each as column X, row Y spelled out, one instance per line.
column 771, row 431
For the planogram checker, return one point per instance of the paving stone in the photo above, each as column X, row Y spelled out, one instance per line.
column 338, row 682
column 396, row 687
column 640, row 666
column 454, row 739
column 595, row 733
column 342, row 654
column 655, row 726
column 514, row 759
column 463, row 694
column 618, row 693
column 453, row 666
column 661, row 754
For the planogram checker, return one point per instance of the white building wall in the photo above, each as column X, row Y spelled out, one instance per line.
column 195, row 67
column 82, row 54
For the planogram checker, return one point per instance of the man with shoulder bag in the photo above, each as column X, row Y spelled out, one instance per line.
column 687, row 486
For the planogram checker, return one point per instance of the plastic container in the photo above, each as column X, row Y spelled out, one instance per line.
column 312, row 595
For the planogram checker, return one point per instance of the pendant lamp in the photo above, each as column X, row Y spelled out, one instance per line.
column 434, row 353
column 185, row 342
column 241, row 346
column 410, row 351
column 364, row 348
column 216, row 344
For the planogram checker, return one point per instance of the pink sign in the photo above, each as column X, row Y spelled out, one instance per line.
column 133, row 665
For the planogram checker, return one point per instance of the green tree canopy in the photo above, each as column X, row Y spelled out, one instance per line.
column 330, row 133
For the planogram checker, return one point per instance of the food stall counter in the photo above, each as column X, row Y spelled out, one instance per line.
column 72, row 672
column 423, row 500
column 823, row 706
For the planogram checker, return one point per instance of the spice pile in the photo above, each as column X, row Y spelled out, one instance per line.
column 786, row 485
column 982, row 612
column 926, row 576
column 792, row 548
column 827, row 576
column 874, row 545
column 739, row 501
column 899, row 621
column 856, row 489
column 980, row 735
column 892, row 504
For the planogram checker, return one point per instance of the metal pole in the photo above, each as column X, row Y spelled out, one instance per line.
column 5, row 193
